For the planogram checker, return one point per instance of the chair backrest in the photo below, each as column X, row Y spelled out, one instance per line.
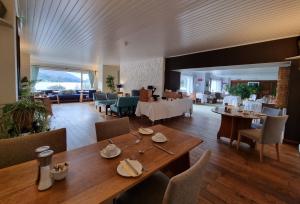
column 135, row 92
column 218, row 95
column 100, row 96
column 184, row 188
column 112, row 128
column 112, row 96
column 124, row 101
column 134, row 100
column 91, row 93
column 271, row 111
column 21, row 149
column 252, row 97
column 48, row 105
column 273, row 129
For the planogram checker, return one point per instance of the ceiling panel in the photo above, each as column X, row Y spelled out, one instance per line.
column 95, row 31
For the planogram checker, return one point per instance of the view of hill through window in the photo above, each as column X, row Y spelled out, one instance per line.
column 61, row 80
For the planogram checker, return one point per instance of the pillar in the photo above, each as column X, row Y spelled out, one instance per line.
column 282, row 87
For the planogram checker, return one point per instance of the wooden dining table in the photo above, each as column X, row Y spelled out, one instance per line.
column 93, row 179
column 232, row 122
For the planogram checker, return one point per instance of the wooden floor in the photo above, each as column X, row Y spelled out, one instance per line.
column 231, row 177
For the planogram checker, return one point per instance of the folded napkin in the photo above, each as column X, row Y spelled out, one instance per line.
column 130, row 168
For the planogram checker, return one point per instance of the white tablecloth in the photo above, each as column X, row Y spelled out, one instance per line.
column 162, row 109
column 232, row 100
column 252, row 106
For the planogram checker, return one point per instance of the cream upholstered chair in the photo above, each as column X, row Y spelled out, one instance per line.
column 21, row 149
column 112, row 128
column 158, row 188
column 271, row 133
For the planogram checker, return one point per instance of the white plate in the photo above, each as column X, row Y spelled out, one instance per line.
column 159, row 137
column 123, row 172
column 146, row 131
column 117, row 153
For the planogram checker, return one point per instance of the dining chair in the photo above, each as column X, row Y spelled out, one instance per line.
column 271, row 133
column 112, row 128
column 269, row 112
column 21, row 149
column 158, row 188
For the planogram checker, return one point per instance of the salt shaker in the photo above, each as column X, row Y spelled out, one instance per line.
column 37, row 151
column 45, row 165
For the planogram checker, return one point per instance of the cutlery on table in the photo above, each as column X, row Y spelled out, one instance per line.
column 163, row 149
column 143, row 151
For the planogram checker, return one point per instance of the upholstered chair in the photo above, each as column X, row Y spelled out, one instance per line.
column 269, row 112
column 158, row 188
column 21, row 149
column 271, row 133
column 112, row 128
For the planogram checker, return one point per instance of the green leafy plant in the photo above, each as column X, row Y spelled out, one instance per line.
column 110, row 83
column 27, row 87
column 242, row 90
column 25, row 115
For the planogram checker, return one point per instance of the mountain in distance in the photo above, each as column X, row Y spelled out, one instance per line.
column 55, row 76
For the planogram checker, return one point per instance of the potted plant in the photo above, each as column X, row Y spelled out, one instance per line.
column 110, row 83
column 23, row 116
column 241, row 90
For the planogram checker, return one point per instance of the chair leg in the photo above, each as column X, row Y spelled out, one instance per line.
column 277, row 151
column 238, row 141
column 261, row 153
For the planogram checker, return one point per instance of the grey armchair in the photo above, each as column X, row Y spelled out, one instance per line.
column 271, row 133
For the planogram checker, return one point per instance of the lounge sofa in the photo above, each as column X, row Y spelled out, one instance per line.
column 69, row 95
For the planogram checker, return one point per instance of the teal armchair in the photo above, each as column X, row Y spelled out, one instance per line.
column 124, row 106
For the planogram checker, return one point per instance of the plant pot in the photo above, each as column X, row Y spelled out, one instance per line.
column 24, row 119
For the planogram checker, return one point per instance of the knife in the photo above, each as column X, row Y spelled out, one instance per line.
column 163, row 149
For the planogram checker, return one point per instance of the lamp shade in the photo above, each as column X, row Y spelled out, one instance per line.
column 119, row 86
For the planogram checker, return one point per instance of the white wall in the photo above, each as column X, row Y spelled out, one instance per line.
column 137, row 74
column 8, row 76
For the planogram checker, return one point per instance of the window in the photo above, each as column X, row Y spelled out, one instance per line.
column 216, row 85
column 52, row 79
column 186, row 84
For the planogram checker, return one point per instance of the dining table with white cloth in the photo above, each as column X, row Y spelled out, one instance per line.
column 162, row 109
column 232, row 100
column 252, row 106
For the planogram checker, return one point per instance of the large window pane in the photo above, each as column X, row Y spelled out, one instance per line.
column 58, row 80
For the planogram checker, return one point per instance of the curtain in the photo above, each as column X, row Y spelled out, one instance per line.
column 92, row 78
column 34, row 73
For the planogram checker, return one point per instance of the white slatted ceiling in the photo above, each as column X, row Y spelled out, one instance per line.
column 89, row 30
